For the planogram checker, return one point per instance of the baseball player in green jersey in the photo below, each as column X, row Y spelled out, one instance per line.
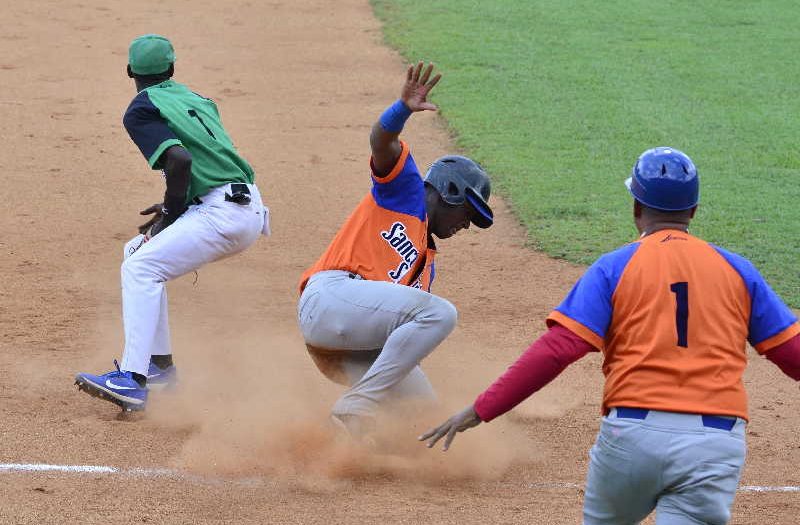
column 211, row 210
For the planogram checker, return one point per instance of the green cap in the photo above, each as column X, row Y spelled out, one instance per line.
column 150, row 55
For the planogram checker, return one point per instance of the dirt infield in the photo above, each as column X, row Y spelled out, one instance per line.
column 299, row 83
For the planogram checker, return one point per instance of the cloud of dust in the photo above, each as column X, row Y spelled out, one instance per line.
column 267, row 415
column 552, row 402
column 250, row 405
column 476, row 373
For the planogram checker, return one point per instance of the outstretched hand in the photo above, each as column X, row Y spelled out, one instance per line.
column 154, row 224
column 418, row 84
column 460, row 422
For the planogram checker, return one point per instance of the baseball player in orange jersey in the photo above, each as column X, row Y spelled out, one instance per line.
column 672, row 315
column 366, row 311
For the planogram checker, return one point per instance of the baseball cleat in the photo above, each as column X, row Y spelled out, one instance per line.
column 118, row 387
column 162, row 379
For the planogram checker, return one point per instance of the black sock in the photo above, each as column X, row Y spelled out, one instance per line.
column 142, row 380
column 162, row 361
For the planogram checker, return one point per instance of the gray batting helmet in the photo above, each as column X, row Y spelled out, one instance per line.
column 459, row 180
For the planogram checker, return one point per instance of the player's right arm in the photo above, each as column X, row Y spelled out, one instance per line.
column 177, row 162
column 576, row 327
column 384, row 138
column 178, row 171
column 544, row 360
column 163, row 150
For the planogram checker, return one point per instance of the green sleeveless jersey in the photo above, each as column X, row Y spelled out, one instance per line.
column 169, row 114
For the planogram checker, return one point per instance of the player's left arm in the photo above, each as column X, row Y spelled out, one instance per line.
column 384, row 139
column 786, row 356
column 773, row 329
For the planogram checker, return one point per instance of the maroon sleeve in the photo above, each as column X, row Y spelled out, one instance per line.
column 787, row 356
column 542, row 362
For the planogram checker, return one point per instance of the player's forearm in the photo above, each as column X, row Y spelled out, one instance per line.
column 178, row 172
column 787, row 357
column 544, row 360
column 384, row 138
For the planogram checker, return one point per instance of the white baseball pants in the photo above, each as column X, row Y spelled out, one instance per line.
column 337, row 311
column 206, row 232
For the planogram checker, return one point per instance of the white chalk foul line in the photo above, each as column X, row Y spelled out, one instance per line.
column 40, row 467
column 757, row 488
column 126, row 472
column 178, row 474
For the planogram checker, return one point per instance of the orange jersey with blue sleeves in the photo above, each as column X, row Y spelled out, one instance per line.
column 672, row 315
column 386, row 236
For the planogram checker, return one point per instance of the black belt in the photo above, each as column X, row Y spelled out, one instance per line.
column 240, row 194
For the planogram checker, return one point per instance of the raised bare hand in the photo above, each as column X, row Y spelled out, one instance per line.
column 418, row 84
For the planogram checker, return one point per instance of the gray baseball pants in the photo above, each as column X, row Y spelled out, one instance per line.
column 341, row 311
column 668, row 462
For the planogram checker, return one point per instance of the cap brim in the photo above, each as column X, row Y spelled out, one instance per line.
column 482, row 216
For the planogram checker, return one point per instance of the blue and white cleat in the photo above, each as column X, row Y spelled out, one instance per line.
column 118, row 387
column 162, row 379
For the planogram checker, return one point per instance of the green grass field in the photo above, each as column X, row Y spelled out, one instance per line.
column 558, row 98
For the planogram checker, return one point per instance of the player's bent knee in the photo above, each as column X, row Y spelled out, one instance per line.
column 330, row 363
column 718, row 513
column 444, row 313
column 137, row 269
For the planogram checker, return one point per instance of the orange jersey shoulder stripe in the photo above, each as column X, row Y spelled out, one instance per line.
column 575, row 327
column 396, row 170
column 778, row 339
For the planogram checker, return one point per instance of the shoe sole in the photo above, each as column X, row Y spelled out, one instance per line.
column 99, row 392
